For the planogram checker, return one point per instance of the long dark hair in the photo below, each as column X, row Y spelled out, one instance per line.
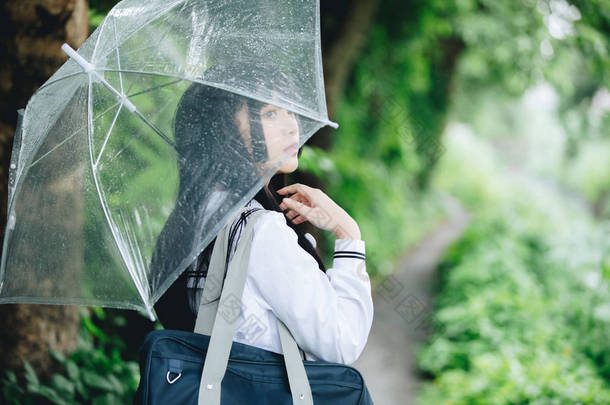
column 266, row 197
column 204, row 112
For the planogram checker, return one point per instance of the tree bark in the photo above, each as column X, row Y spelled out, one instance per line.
column 340, row 55
column 344, row 29
column 32, row 34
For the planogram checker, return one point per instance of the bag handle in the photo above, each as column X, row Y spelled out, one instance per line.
column 218, row 319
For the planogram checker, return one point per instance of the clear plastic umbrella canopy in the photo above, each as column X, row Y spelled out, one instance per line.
column 143, row 145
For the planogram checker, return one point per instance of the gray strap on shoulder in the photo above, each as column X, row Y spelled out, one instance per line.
column 297, row 376
column 208, row 303
column 221, row 320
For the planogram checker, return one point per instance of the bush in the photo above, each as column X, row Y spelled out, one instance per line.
column 96, row 373
column 523, row 310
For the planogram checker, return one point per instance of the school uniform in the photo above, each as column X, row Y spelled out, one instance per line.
column 329, row 314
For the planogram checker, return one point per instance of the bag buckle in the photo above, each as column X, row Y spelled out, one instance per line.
column 173, row 380
column 175, row 367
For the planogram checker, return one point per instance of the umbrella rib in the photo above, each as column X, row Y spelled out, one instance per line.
column 134, row 247
column 99, row 36
column 155, row 45
column 69, row 137
column 90, row 69
column 46, row 84
column 143, row 295
column 116, row 115
column 305, row 114
column 160, row 14
column 118, row 58
column 157, row 130
column 139, row 78
column 154, row 88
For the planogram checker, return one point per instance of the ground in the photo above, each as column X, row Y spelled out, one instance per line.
column 401, row 302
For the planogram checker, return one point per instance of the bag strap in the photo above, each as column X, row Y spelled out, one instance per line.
column 208, row 304
column 218, row 318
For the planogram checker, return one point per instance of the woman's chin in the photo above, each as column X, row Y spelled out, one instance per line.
column 290, row 165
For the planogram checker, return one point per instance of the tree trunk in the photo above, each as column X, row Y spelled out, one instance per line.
column 344, row 29
column 32, row 34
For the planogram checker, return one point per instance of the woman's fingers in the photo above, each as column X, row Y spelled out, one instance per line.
column 289, row 212
column 304, row 203
column 295, row 206
column 295, row 217
column 299, row 220
column 292, row 214
column 294, row 188
column 288, row 189
column 291, row 203
column 296, row 197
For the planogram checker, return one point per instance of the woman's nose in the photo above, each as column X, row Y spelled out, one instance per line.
column 292, row 126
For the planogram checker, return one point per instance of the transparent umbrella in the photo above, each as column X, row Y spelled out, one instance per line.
column 145, row 143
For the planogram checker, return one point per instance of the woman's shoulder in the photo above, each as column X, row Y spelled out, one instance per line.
column 277, row 220
column 272, row 225
column 266, row 216
column 270, row 219
column 267, row 221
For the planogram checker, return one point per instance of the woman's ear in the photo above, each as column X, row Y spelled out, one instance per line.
column 243, row 125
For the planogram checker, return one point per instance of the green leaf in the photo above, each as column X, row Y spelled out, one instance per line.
column 63, row 384
column 30, row 374
column 106, row 399
column 57, row 355
column 53, row 396
column 11, row 377
column 95, row 380
column 72, row 370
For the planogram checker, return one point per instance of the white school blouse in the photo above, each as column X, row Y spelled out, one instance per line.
column 329, row 314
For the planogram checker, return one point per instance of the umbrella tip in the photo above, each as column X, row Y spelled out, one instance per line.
column 333, row 124
column 150, row 314
column 87, row 67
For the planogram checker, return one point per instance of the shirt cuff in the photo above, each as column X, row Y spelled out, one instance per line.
column 349, row 249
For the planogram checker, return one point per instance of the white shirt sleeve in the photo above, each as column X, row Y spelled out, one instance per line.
column 329, row 315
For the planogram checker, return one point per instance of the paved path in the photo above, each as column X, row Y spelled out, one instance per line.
column 401, row 301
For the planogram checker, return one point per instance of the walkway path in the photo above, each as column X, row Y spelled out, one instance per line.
column 401, row 302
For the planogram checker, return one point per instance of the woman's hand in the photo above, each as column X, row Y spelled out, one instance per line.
column 313, row 205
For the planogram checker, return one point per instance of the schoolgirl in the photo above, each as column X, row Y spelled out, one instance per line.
column 328, row 311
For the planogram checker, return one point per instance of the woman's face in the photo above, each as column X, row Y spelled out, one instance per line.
column 281, row 132
column 281, row 135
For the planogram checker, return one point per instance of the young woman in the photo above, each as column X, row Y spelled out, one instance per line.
column 328, row 311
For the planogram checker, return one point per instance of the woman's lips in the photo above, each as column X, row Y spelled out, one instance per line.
column 292, row 148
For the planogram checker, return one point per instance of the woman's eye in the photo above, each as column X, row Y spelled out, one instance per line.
column 270, row 114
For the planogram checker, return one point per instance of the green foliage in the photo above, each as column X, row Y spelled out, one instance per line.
column 391, row 118
column 589, row 173
column 522, row 314
column 96, row 373
column 98, row 10
column 512, row 45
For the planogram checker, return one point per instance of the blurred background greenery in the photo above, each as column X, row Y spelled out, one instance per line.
column 504, row 105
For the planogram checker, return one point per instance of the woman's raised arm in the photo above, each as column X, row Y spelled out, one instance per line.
column 330, row 315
